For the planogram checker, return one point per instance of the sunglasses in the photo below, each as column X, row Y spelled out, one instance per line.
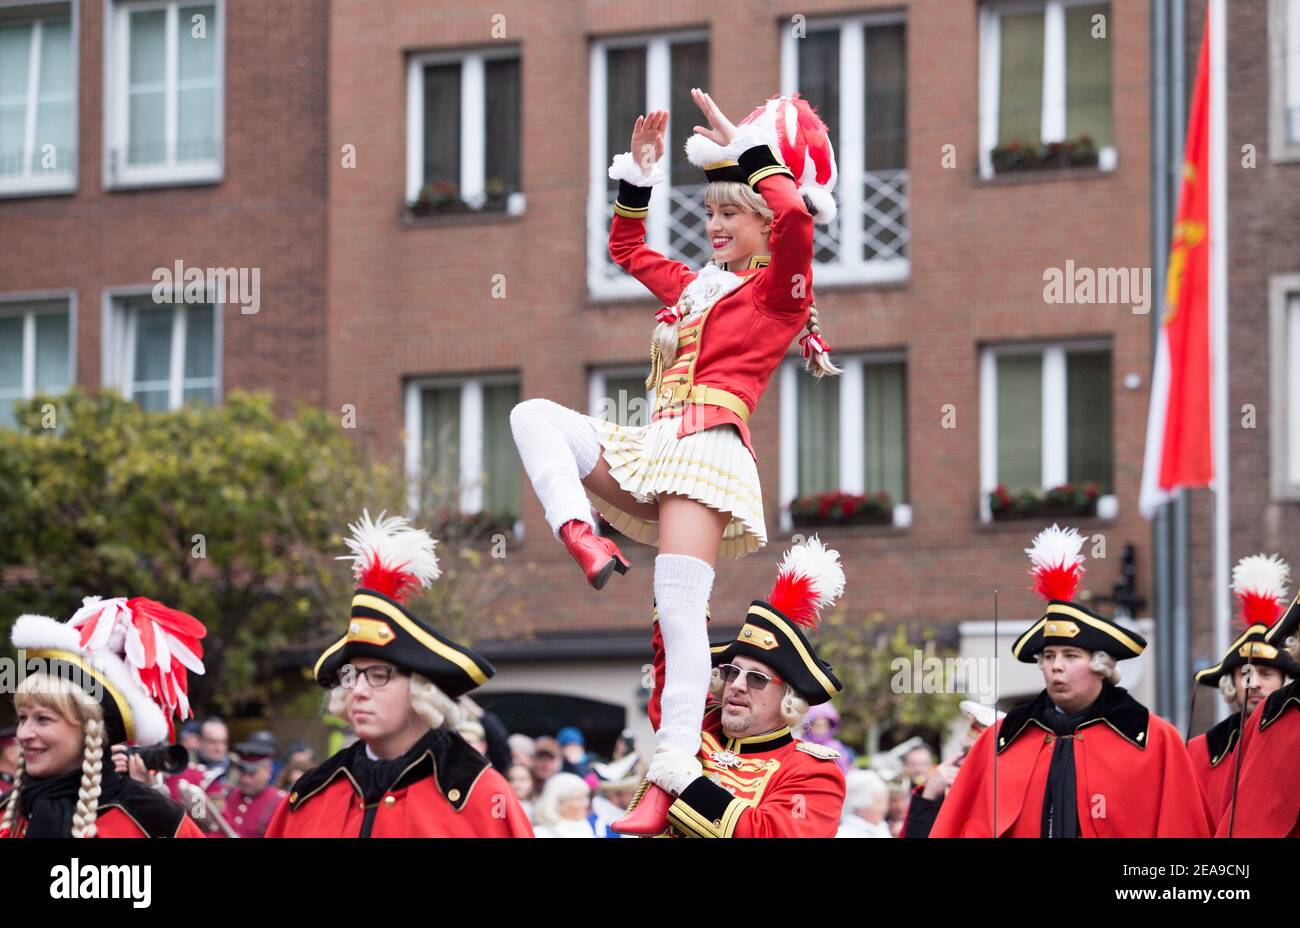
column 755, row 680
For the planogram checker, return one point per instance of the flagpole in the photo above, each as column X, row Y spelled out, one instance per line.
column 1218, row 241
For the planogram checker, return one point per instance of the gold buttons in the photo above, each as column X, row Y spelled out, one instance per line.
column 768, row 640
column 293, row 797
column 390, row 801
column 1141, row 735
column 354, row 629
column 749, row 633
column 383, row 631
column 453, row 794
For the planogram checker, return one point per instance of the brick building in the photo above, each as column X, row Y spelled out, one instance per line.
column 136, row 135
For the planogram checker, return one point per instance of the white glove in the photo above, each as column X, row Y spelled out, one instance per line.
column 673, row 769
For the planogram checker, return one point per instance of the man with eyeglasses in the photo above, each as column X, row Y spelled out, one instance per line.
column 396, row 681
column 751, row 777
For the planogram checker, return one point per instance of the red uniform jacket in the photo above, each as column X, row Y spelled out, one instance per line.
column 1133, row 777
column 746, row 333
column 216, row 788
column 136, row 812
column 250, row 815
column 1213, row 757
column 765, row 786
column 449, row 791
column 1268, row 792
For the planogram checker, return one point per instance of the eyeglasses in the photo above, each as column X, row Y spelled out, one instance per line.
column 377, row 675
column 755, row 680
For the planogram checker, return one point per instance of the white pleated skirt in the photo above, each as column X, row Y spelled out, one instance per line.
column 712, row 466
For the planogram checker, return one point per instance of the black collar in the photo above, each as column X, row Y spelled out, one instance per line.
column 1128, row 717
column 447, row 757
column 1277, row 702
column 758, row 744
column 1222, row 738
column 153, row 813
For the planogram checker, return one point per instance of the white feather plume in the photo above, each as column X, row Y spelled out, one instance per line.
column 392, row 543
column 1055, row 547
column 821, row 565
column 1264, row 575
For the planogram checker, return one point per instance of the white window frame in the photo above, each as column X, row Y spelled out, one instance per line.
column 599, row 378
column 473, row 122
column 849, row 267
column 45, row 183
column 1055, row 405
column 118, row 174
column 1054, row 76
column 658, row 85
column 471, row 436
column 852, row 429
column 117, row 353
column 1284, row 79
column 15, row 304
column 1284, row 377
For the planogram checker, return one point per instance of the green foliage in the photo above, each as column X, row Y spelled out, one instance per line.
column 230, row 513
column 863, row 652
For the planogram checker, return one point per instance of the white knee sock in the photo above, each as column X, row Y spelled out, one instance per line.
column 682, row 586
column 559, row 448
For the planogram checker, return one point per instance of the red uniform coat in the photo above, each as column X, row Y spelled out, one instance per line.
column 136, row 812
column 1268, row 791
column 249, row 814
column 746, row 333
column 198, row 774
column 448, row 791
column 765, row 786
column 1213, row 757
column 1132, row 773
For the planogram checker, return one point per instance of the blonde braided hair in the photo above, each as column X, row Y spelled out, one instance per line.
column 8, row 823
column 92, row 771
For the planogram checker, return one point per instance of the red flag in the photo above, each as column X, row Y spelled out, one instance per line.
column 1179, row 445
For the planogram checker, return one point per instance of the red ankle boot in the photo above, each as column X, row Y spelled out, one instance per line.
column 648, row 814
column 598, row 557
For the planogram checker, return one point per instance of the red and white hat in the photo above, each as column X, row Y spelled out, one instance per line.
column 801, row 141
column 134, row 655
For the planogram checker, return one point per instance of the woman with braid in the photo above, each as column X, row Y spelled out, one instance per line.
column 85, row 692
column 688, row 481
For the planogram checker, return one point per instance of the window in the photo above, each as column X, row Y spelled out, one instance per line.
column 163, row 355
column 164, row 100
column 460, row 452
column 1045, row 419
column 846, row 433
column 854, row 72
column 463, row 132
column 1284, row 86
column 1284, row 313
column 630, row 77
column 620, row 395
column 38, row 101
column 1044, row 78
column 35, row 351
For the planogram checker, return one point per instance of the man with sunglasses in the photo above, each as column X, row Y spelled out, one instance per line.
column 396, row 680
column 751, row 777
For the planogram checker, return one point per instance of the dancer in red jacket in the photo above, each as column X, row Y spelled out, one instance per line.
column 688, row 481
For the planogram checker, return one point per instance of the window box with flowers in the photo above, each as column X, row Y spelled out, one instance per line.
column 840, row 508
column 442, row 198
column 1019, row 157
column 1067, row 500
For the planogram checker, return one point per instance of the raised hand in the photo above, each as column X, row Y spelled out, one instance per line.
column 721, row 129
column 648, row 139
